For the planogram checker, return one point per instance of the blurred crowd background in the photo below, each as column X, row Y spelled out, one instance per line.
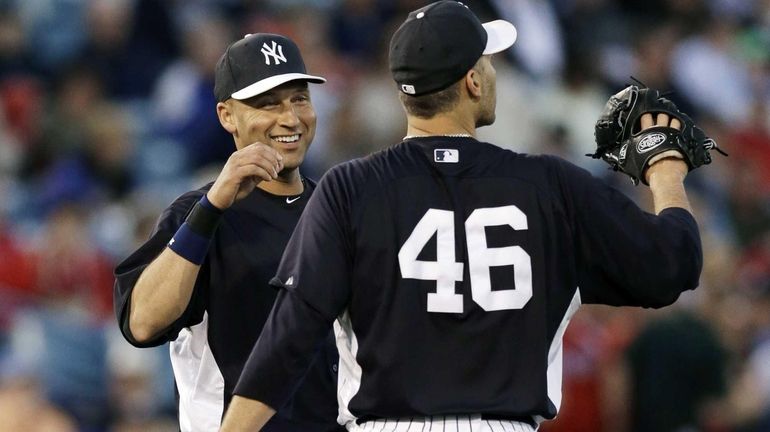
column 107, row 114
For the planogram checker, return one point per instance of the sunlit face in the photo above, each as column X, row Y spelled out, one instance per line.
column 486, row 115
column 282, row 118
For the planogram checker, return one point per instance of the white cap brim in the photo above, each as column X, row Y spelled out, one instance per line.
column 266, row 84
column 500, row 36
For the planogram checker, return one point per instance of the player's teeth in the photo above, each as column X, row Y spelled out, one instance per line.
column 290, row 138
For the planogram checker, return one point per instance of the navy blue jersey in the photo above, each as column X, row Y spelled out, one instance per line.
column 211, row 341
column 453, row 267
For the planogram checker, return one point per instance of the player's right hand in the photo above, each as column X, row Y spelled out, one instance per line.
column 242, row 172
column 670, row 161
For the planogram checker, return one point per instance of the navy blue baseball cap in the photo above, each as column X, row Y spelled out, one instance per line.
column 256, row 64
column 441, row 42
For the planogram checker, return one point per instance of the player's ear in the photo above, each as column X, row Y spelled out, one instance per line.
column 473, row 83
column 225, row 114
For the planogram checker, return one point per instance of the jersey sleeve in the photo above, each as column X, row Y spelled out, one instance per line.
column 128, row 271
column 313, row 279
column 316, row 263
column 293, row 333
column 624, row 255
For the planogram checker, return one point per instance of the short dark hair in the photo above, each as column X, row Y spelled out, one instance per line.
column 427, row 106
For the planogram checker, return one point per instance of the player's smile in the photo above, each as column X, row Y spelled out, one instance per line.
column 287, row 138
column 287, row 142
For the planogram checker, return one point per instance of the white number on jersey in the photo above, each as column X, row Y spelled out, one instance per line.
column 446, row 271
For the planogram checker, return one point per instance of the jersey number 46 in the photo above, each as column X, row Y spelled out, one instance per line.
column 446, row 271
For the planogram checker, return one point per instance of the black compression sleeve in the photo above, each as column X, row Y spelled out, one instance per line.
column 204, row 218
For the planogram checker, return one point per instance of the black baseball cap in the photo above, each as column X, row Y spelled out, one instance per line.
column 256, row 64
column 439, row 43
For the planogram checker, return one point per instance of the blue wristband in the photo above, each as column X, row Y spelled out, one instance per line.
column 190, row 245
column 193, row 238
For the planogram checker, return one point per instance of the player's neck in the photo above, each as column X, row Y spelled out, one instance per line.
column 449, row 123
column 287, row 183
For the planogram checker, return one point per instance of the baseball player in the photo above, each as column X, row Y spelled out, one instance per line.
column 452, row 267
column 201, row 281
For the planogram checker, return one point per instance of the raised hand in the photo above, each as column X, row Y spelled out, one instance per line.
column 242, row 172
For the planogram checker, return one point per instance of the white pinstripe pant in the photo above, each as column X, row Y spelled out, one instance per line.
column 441, row 424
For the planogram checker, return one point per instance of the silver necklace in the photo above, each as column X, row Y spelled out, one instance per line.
column 461, row 135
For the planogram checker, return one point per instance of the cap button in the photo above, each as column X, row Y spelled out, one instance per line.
column 420, row 15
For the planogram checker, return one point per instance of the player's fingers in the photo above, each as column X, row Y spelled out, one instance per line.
column 675, row 123
column 261, row 151
column 242, row 170
column 662, row 119
column 259, row 148
column 271, row 168
column 265, row 157
column 646, row 121
column 251, row 171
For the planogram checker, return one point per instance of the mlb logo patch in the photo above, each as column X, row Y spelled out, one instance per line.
column 446, row 155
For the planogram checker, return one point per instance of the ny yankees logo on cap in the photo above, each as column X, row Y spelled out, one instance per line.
column 257, row 63
column 269, row 51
